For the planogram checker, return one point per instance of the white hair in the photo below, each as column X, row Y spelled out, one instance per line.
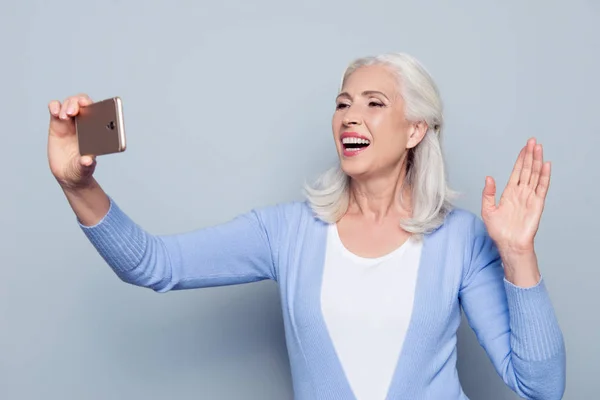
column 425, row 166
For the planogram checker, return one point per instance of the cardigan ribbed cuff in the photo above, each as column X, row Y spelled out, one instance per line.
column 536, row 335
column 117, row 238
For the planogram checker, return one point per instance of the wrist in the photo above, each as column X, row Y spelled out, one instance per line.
column 89, row 202
column 79, row 187
column 520, row 268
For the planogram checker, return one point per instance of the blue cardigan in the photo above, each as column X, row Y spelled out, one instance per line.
column 460, row 267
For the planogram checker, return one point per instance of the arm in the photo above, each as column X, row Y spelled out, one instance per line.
column 516, row 326
column 234, row 252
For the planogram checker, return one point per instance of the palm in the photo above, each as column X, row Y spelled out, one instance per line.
column 62, row 147
column 514, row 221
column 66, row 163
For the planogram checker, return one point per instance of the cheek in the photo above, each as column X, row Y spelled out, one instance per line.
column 335, row 129
column 390, row 136
column 376, row 123
column 338, row 115
column 383, row 128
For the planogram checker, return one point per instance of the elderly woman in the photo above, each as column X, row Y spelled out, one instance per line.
column 374, row 267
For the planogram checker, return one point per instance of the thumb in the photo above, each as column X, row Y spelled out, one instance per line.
column 488, row 201
column 87, row 161
column 87, row 166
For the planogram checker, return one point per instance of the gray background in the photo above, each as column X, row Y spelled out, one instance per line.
column 228, row 106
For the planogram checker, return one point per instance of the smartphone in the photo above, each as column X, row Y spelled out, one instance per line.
column 100, row 128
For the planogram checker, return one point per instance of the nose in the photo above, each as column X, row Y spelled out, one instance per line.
column 351, row 119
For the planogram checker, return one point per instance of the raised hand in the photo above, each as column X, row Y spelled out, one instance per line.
column 69, row 168
column 514, row 221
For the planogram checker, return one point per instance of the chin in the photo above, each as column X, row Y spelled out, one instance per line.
column 354, row 167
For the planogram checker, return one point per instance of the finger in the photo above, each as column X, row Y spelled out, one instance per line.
column 516, row 172
column 72, row 106
column 87, row 161
column 88, row 169
column 488, row 200
column 84, row 100
column 76, row 103
column 544, row 183
column 84, row 97
column 60, row 125
column 527, row 163
column 63, row 109
column 54, row 108
column 538, row 162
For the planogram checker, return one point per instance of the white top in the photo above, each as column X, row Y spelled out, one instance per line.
column 367, row 304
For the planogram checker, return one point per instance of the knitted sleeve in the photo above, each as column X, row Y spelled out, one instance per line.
column 234, row 252
column 516, row 326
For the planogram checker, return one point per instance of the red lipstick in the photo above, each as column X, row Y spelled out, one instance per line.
column 354, row 143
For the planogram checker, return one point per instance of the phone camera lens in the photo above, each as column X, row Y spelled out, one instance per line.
column 110, row 125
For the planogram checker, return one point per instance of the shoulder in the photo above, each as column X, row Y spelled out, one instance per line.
column 467, row 230
column 463, row 223
column 284, row 212
column 287, row 226
column 286, row 216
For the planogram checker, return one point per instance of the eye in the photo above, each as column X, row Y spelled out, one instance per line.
column 340, row 106
column 376, row 104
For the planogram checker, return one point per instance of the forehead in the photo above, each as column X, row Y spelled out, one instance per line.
column 373, row 77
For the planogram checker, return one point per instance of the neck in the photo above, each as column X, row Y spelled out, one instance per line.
column 378, row 196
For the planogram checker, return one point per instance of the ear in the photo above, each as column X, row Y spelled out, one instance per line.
column 416, row 132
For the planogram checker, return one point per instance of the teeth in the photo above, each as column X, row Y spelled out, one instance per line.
column 354, row 140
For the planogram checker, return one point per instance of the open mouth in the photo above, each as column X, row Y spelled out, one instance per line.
column 354, row 145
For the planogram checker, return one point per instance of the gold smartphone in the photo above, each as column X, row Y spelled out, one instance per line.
column 100, row 128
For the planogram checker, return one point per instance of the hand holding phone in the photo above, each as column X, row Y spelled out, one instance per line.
column 78, row 131
column 100, row 128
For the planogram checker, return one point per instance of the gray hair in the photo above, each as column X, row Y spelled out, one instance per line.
column 425, row 166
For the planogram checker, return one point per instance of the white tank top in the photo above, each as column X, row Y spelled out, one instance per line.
column 367, row 305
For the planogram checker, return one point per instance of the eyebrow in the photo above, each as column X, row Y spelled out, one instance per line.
column 365, row 93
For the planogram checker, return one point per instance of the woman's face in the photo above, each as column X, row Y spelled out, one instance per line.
column 369, row 126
